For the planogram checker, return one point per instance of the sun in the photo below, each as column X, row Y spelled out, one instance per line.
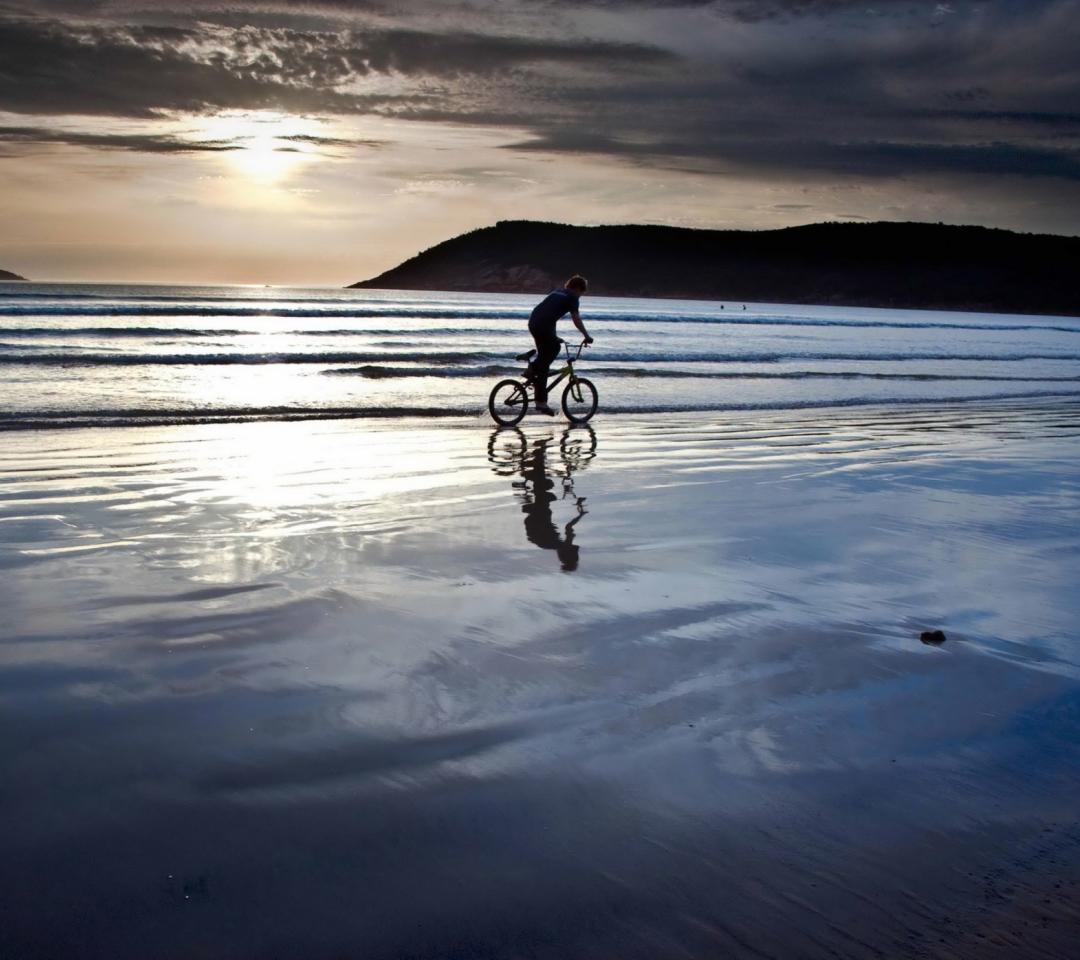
column 264, row 147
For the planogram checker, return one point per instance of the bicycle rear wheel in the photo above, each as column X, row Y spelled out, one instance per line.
column 579, row 400
column 508, row 402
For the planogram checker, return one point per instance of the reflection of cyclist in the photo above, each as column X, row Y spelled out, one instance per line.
column 539, row 524
column 510, row 453
column 542, row 323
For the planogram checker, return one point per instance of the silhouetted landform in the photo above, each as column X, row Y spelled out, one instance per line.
column 7, row 275
column 881, row 264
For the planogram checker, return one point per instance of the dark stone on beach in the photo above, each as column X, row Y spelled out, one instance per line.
column 933, row 637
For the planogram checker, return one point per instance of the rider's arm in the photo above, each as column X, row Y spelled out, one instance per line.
column 576, row 317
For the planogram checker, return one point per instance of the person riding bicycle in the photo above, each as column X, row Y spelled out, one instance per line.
column 542, row 323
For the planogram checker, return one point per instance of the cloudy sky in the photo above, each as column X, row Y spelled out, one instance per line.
column 280, row 141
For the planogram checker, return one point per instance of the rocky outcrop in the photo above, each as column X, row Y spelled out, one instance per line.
column 6, row 275
column 523, row 277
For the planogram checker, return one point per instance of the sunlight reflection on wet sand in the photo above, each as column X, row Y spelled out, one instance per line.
column 652, row 687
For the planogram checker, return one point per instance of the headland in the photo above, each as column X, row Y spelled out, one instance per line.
column 929, row 266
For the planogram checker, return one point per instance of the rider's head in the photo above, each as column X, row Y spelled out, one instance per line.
column 577, row 284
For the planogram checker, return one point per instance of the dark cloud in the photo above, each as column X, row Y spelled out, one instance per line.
column 1047, row 118
column 880, row 159
column 756, row 11
column 895, row 88
column 141, row 143
column 759, row 9
column 994, row 94
column 159, row 143
column 49, row 66
column 317, row 141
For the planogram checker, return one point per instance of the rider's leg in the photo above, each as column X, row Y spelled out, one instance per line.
column 547, row 349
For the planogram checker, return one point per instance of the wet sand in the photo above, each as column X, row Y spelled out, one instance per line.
column 653, row 688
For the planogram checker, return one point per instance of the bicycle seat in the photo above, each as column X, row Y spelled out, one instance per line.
column 526, row 356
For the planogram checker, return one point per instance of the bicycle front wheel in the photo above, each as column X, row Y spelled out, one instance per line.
column 508, row 402
column 579, row 400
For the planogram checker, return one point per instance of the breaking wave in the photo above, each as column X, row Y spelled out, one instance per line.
column 71, row 419
column 53, row 358
column 377, row 372
column 254, row 309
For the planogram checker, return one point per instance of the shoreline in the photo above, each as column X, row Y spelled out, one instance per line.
column 43, row 421
column 114, row 360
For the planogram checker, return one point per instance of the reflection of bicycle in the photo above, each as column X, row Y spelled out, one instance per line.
column 510, row 399
column 577, row 447
column 508, row 449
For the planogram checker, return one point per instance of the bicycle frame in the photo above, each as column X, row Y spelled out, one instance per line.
column 564, row 372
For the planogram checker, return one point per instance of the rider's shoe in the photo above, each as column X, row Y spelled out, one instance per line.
column 544, row 408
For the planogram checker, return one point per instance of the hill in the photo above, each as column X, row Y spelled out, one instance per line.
column 881, row 264
column 7, row 275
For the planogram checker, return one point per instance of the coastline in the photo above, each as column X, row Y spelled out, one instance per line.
column 322, row 687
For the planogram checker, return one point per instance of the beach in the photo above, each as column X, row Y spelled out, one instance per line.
column 758, row 640
column 651, row 687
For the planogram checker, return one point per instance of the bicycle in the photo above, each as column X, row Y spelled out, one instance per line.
column 509, row 400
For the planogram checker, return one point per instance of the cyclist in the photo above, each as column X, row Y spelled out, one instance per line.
column 542, row 323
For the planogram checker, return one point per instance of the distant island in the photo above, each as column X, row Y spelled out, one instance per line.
column 878, row 264
column 8, row 275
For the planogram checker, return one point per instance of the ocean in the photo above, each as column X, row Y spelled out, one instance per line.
column 108, row 354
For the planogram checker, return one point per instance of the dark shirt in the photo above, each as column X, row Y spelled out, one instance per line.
column 551, row 310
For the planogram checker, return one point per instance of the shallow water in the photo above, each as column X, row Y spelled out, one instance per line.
column 648, row 688
column 112, row 354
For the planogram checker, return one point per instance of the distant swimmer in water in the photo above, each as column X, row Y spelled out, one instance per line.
column 542, row 323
